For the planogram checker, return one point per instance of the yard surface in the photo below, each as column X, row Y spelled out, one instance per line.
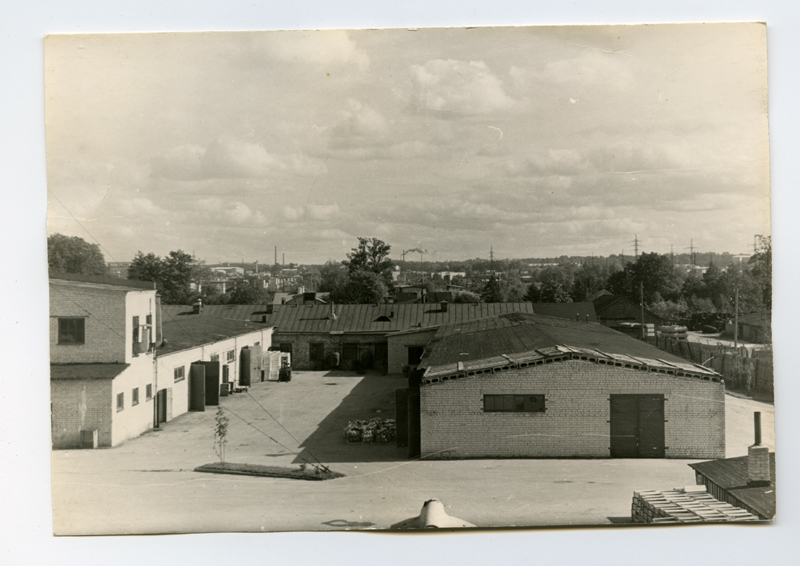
column 148, row 485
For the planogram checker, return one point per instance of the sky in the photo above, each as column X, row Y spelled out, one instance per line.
column 531, row 141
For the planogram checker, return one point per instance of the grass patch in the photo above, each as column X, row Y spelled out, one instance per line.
column 302, row 473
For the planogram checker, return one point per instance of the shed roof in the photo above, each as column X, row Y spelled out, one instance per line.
column 731, row 475
column 605, row 301
column 567, row 310
column 519, row 338
column 369, row 318
column 86, row 371
column 760, row 318
column 191, row 331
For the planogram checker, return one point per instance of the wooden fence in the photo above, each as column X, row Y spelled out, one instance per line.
column 741, row 368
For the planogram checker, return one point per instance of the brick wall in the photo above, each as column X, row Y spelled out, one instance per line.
column 576, row 421
column 398, row 348
column 333, row 343
column 80, row 404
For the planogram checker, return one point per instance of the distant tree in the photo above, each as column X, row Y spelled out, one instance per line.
column 333, row 278
column 761, row 269
column 248, row 291
column 362, row 287
column 588, row 280
column 371, row 254
column 491, row 292
column 512, row 289
column 669, row 310
column 146, row 267
column 556, row 284
column 466, row 297
column 67, row 254
column 534, row 293
column 657, row 276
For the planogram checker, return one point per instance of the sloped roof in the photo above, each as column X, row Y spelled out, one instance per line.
column 756, row 319
column 314, row 319
column 603, row 302
column 86, row 371
column 524, row 339
column 182, row 333
column 567, row 310
column 731, row 475
column 112, row 283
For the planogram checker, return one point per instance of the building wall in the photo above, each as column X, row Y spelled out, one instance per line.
column 80, row 404
column 576, row 423
column 132, row 420
column 333, row 343
column 184, row 358
column 398, row 348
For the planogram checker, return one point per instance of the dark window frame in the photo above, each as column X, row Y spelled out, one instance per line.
column 418, row 359
column 120, row 402
column 230, row 355
column 179, row 373
column 514, row 403
column 148, row 392
column 71, row 330
column 135, row 397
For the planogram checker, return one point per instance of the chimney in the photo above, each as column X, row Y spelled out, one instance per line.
column 587, row 318
column 577, row 317
column 332, row 316
column 758, row 464
column 197, row 307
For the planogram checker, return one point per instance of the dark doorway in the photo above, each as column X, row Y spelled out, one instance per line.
column 197, row 387
column 212, row 382
column 161, row 409
column 637, row 426
column 415, row 355
column 349, row 356
column 381, row 355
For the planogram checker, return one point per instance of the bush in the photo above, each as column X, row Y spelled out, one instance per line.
column 373, row 431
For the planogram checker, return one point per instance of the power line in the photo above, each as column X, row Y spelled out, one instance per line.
column 81, row 225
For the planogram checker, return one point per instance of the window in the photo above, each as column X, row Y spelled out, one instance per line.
column 214, row 357
column 513, row 404
column 316, row 351
column 226, row 373
column 231, row 356
column 148, row 319
column 148, row 391
column 135, row 397
column 71, row 330
column 135, row 330
column 286, row 347
column 120, row 401
column 415, row 355
column 257, row 344
column 180, row 373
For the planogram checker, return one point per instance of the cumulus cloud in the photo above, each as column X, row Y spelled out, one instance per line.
column 240, row 213
column 312, row 211
column 457, row 86
column 359, row 124
column 590, row 68
column 332, row 47
column 231, row 158
column 558, row 162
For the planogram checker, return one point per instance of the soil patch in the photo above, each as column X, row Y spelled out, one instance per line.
column 307, row 473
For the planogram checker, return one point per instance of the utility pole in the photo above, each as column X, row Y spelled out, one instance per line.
column 736, row 320
column 276, row 255
column 635, row 245
column 641, row 304
column 491, row 258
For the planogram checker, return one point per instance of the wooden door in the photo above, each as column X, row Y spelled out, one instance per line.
column 161, row 412
column 212, row 382
column 197, row 387
column 637, row 426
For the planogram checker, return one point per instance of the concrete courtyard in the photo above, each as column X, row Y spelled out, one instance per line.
column 148, row 485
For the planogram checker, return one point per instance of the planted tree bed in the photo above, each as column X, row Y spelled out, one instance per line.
column 301, row 473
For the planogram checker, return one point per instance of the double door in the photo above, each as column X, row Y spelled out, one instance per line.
column 637, row 426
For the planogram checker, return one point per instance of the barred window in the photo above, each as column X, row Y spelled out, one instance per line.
column 180, row 373
column 71, row 330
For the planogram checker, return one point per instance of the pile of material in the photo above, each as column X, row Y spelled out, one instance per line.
column 373, row 431
column 433, row 516
column 684, row 505
column 674, row 331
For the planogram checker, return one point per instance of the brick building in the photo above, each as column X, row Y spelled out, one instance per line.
column 531, row 386
column 360, row 335
column 117, row 367
column 102, row 336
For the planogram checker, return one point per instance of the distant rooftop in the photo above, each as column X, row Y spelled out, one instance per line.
column 182, row 333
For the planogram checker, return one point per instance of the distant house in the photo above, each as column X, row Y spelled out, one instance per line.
column 118, row 269
column 753, row 327
column 532, row 386
column 615, row 311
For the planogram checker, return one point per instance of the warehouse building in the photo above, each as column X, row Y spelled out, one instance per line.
column 532, row 386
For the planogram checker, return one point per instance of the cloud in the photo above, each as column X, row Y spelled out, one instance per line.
column 359, row 124
column 332, row 47
column 590, row 68
column 560, row 162
column 457, row 86
column 312, row 211
column 240, row 213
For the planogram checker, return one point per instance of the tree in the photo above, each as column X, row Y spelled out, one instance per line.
column 362, row 287
column 372, row 255
column 67, row 254
column 656, row 275
column 556, row 284
column 333, row 278
column 248, row 291
column 466, row 297
column 669, row 310
column 146, row 267
column 491, row 292
column 761, row 269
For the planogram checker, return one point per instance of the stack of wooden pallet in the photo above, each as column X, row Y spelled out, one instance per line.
column 684, row 505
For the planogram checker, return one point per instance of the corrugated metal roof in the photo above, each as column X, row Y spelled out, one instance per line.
column 567, row 310
column 86, row 371
column 522, row 338
column 311, row 319
column 731, row 475
column 186, row 332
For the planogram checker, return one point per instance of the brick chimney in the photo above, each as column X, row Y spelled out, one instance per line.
column 758, row 465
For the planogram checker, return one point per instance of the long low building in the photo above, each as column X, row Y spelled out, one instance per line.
column 530, row 386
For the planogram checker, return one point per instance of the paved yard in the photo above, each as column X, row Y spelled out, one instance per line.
column 148, row 485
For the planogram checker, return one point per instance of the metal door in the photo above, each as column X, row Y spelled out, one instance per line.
column 197, row 387
column 637, row 426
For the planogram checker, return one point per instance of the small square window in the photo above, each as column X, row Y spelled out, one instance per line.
column 231, row 355
column 71, row 330
column 180, row 373
column 513, row 404
column 120, row 401
column 148, row 391
column 135, row 397
column 214, row 357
